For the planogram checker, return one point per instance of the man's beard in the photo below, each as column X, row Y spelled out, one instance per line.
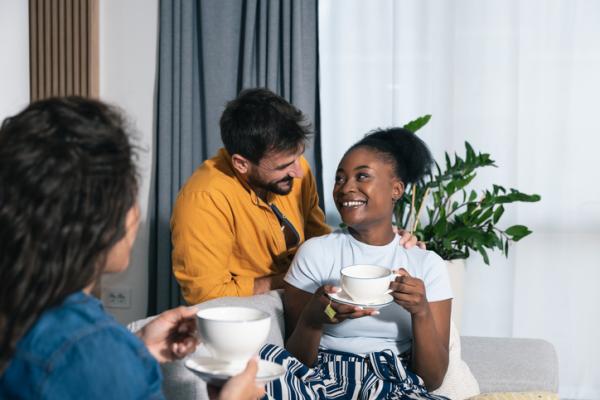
column 273, row 187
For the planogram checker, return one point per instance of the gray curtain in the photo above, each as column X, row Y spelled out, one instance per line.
column 208, row 52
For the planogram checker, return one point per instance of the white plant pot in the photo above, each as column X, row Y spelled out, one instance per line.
column 456, row 271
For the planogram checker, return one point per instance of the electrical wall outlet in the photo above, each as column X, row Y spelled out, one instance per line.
column 114, row 297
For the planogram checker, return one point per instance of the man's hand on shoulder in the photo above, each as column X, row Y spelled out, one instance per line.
column 268, row 283
column 408, row 240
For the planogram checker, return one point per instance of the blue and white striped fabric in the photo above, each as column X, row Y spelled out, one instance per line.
column 339, row 375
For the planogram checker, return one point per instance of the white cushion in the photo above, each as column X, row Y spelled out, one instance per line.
column 459, row 382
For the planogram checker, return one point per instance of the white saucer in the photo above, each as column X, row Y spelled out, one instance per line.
column 216, row 372
column 342, row 297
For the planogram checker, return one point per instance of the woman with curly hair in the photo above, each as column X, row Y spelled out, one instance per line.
column 68, row 213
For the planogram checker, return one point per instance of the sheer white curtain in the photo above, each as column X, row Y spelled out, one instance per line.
column 517, row 79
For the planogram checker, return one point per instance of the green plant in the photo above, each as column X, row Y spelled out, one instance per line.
column 453, row 220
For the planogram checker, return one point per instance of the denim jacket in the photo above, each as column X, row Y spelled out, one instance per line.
column 78, row 351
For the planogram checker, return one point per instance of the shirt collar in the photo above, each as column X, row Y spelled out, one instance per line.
column 81, row 297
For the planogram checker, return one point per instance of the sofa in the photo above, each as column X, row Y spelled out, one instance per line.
column 497, row 364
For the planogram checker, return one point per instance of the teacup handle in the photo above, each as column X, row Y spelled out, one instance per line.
column 392, row 279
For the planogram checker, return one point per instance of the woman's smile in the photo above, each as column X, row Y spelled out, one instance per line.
column 364, row 189
column 353, row 203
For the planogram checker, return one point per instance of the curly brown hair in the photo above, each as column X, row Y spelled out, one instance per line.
column 67, row 181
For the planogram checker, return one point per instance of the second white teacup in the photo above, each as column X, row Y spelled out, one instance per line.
column 366, row 283
column 233, row 334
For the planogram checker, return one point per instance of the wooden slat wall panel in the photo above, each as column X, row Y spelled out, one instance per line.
column 83, row 43
column 62, row 66
column 47, row 39
column 33, row 45
column 63, row 48
column 94, row 46
column 76, row 47
column 54, row 48
column 69, row 44
column 40, row 45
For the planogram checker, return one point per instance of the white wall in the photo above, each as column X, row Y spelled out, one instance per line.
column 14, row 59
column 128, row 37
column 517, row 79
column 128, row 48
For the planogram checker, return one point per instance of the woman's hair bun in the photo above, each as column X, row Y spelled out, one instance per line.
column 410, row 154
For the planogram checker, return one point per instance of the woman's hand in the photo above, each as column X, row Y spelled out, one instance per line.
column 171, row 335
column 410, row 293
column 307, row 317
column 240, row 387
column 315, row 314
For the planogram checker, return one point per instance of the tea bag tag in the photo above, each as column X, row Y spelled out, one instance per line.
column 329, row 311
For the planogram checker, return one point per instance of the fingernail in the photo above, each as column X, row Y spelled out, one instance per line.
column 375, row 313
column 358, row 308
column 337, row 289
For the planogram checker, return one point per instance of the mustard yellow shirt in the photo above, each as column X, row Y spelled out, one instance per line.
column 224, row 236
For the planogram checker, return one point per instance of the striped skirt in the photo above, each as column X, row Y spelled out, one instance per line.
column 339, row 375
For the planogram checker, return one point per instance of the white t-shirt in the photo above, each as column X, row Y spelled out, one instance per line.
column 319, row 261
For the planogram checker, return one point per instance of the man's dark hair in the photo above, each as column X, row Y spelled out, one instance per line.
column 258, row 121
column 67, row 181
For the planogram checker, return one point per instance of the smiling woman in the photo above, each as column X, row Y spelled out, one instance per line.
column 364, row 193
column 399, row 350
column 372, row 176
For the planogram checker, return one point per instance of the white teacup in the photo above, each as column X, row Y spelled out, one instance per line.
column 233, row 334
column 366, row 283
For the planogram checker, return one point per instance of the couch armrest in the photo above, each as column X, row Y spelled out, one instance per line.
column 511, row 364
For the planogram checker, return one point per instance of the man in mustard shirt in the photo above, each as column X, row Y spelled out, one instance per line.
column 239, row 219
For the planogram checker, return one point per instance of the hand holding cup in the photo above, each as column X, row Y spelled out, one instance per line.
column 409, row 292
column 322, row 310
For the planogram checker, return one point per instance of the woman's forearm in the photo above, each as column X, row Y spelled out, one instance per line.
column 304, row 342
column 430, row 354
